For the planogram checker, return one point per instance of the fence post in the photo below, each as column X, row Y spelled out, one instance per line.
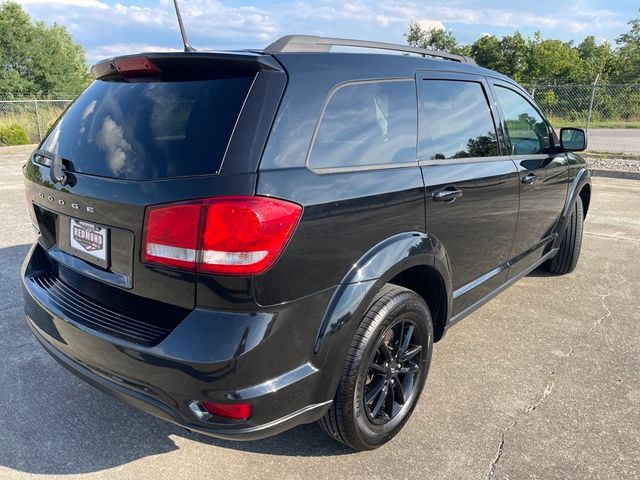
column 593, row 94
column 35, row 102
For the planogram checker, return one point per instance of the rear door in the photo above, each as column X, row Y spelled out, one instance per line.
column 543, row 174
column 471, row 183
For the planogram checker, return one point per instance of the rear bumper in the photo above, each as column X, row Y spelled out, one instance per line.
column 211, row 355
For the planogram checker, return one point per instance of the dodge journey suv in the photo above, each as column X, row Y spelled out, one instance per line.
column 243, row 242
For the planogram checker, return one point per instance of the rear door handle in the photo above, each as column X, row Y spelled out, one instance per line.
column 529, row 179
column 447, row 195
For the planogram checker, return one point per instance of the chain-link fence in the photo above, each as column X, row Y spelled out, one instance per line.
column 33, row 117
column 610, row 113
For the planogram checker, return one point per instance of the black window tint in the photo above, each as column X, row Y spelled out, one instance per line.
column 455, row 121
column 147, row 130
column 368, row 123
column 527, row 130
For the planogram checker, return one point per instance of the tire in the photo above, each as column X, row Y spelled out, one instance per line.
column 566, row 258
column 358, row 417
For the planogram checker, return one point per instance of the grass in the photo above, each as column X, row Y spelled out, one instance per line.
column 559, row 122
column 24, row 115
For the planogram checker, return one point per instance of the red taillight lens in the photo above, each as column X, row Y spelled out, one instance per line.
column 236, row 411
column 228, row 235
column 172, row 235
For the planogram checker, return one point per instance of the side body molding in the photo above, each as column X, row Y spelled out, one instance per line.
column 581, row 179
column 355, row 293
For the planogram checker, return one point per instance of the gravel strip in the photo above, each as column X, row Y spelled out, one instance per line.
column 614, row 164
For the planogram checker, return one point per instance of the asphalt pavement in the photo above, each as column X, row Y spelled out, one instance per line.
column 542, row 382
column 615, row 140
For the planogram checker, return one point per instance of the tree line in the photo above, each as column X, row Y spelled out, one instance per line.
column 536, row 60
column 40, row 60
column 37, row 60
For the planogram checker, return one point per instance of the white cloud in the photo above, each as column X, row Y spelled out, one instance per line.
column 431, row 24
column 67, row 3
column 241, row 23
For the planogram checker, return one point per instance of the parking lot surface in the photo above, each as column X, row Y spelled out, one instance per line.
column 615, row 140
column 542, row 382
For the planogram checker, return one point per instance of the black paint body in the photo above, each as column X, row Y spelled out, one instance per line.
column 279, row 340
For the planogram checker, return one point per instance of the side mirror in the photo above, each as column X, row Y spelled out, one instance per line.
column 573, row 139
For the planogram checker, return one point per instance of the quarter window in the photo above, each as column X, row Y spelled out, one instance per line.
column 455, row 121
column 527, row 130
column 368, row 123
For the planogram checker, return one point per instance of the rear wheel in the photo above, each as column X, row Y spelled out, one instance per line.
column 385, row 371
column 566, row 259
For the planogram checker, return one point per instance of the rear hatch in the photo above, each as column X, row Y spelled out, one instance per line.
column 151, row 129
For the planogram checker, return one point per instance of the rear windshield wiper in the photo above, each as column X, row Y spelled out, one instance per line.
column 57, row 165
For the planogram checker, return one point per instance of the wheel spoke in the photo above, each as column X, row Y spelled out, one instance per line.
column 385, row 351
column 400, row 390
column 407, row 339
column 378, row 368
column 410, row 353
column 401, row 339
column 381, row 399
column 413, row 368
column 374, row 391
column 390, row 401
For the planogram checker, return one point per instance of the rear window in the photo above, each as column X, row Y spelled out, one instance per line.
column 366, row 124
column 149, row 130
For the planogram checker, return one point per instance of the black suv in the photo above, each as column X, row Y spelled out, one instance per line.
column 242, row 242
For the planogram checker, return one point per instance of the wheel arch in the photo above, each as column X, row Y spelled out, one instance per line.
column 407, row 259
column 580, row 187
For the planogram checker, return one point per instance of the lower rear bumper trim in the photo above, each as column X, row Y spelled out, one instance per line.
column 154, row 407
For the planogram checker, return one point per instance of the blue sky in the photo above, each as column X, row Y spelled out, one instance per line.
column 108, row 28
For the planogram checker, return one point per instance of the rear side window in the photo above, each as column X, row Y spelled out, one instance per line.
column 149, row 130
column 366, row 124
column 455, row 121
column 527, row 130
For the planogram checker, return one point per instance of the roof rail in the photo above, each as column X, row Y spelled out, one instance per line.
column 311, row 43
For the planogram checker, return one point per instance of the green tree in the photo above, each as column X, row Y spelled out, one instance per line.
column 629, row 54
column 536, row 60
column 435, row 39
column 487, row 52
column 36, row 59
column 551, row 61
column 515, row 51
column 597, row 60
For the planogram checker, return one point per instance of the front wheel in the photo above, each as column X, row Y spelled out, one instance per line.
column 566, row 258
column 385, row 371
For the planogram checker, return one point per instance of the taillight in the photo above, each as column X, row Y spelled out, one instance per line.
column 237, row 235
column 132, row 68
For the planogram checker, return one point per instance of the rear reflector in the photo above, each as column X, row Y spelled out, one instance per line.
column 239, row 235
column 236, row 411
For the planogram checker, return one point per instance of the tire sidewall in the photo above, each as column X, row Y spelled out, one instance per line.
column 405, row 305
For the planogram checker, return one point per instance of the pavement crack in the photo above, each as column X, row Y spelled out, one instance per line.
column 548, row 389
column 603, row 301
column 494, row 464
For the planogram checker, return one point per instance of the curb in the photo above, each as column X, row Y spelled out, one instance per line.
column 616, row 174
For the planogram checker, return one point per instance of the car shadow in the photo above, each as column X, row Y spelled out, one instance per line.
column 53, row 423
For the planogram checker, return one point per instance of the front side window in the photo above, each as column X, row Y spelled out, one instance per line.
column 455, row 121
column 527, row 130
column 369, row 123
